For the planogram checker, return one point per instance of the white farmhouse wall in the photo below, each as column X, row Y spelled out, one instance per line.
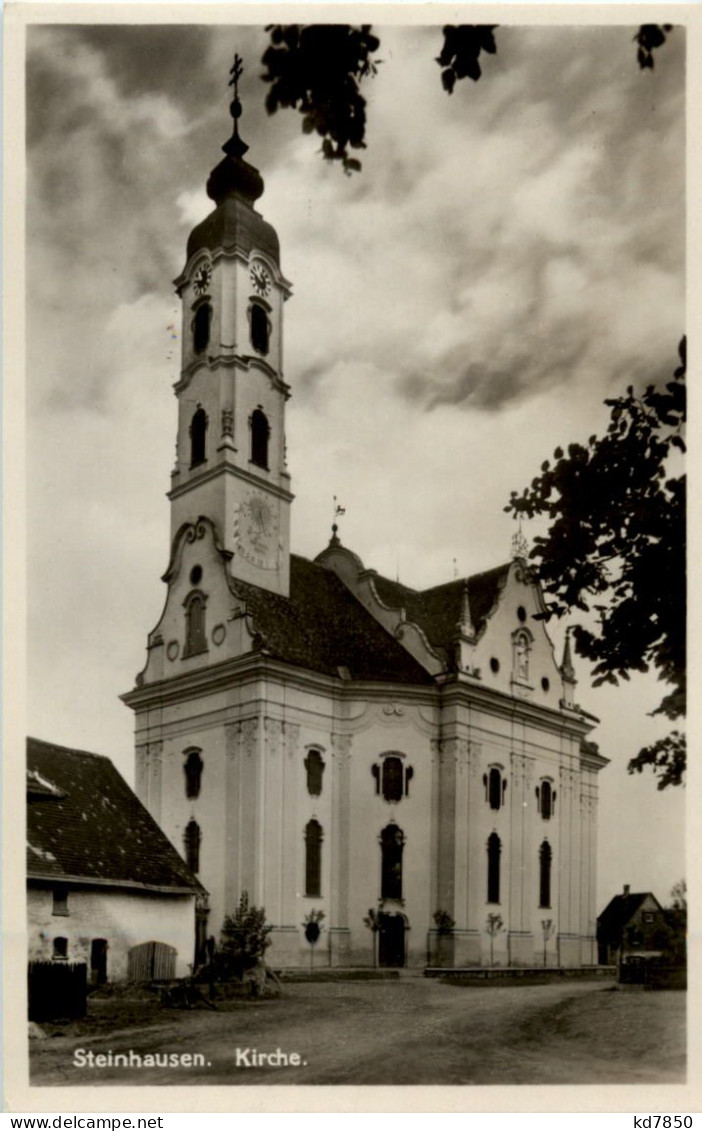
column 123, row 918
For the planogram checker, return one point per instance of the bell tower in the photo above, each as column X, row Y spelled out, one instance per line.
column 230, row 450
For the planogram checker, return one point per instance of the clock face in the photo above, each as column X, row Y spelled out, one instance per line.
column 202, row 277
column 256, row 531
column 260, row 279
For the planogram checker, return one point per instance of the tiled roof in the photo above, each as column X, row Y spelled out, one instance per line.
column 437, row 611
column 322, row 626
column 84, row 821
column 617, row 914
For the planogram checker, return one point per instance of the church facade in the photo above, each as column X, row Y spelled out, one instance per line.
column 411, row 764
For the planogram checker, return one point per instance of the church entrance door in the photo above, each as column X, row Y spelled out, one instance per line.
column 391, row 942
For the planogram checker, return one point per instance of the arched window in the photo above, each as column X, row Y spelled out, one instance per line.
column 494, row 848
column 545, row 856
column 193, row 773
column 198, row 430
column 259, row 438
column 201, row 327
column 314, row 764
column 495, row 787
column 521, row 655
column 392, row 779
column 392, row 843
column 259, row 329
column 192, row 839
column 546, row 800
column 195, row 629
column 313, row 858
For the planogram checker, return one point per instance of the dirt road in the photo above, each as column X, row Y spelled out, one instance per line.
column 410, row 1031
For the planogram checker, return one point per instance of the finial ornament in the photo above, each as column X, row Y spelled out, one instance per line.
column 520, row 546
column 465, row 625
column 567, row 669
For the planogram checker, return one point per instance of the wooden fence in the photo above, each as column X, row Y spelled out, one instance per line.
column 57, row 990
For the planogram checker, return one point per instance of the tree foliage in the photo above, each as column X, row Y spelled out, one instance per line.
column 461, row 51
column 616, row 547
column 317, row 69
column 648, row 38
column 244, row 938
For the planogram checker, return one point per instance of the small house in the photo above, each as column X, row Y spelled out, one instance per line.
column 105, row 886
column 631, row 927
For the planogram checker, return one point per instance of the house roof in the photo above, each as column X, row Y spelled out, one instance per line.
column 323, row 627
column 84, row 821
column 618, row 913
column 437, row 611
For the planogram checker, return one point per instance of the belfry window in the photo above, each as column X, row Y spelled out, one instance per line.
column 259, row 438
column 198, row 432
column 545, row 856
column 494, row 848
column 259, row 329
column 392, row 843
column 201, row 327
column 193, row 773
column 192, row 840
column 313, row 858
column 195, row 628
column 546, row 800
column 314, row 764
column 495, row 787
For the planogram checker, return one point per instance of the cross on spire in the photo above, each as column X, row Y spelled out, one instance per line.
column 235, row 147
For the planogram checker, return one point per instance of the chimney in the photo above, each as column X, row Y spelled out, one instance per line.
column 626, row 889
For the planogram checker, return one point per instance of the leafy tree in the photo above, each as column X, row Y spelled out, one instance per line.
column 494, row 926
column 313, row 929
column 244, row 939
column 671, row 934
column 444, row 922
column 317, row 69
column 616, row 547
column 678, row 894
column 372, row 922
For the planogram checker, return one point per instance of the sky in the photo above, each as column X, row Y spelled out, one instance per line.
column 508, row 257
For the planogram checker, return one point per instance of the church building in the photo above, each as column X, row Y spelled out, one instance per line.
column 326, row 739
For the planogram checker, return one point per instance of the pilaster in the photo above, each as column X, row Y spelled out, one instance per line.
column 252, row 825
column 233, row 883
column 272, row 815
column 339, row 931
column 289, row 821
column 155, row 757
column 520, row 937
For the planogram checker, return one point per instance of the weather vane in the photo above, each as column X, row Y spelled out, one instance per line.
column 337, row 512
column 520, row 546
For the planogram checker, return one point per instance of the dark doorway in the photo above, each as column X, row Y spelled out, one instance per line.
column 98, row 962
column 391, row 941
